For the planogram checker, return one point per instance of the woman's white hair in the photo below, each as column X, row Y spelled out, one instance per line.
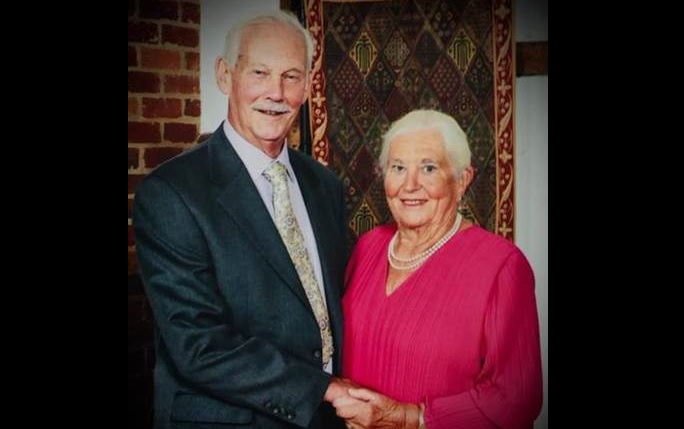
column 232, row 42
column 453, row 137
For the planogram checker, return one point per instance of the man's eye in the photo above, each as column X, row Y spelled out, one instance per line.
column 397, row 168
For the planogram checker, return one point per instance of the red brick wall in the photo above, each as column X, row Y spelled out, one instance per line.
column 163, row 88
column 163, row 120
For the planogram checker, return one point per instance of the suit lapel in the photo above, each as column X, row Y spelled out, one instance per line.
column 239, row 197
column 314, row 199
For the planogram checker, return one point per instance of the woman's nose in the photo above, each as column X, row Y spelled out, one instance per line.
column 411, row 183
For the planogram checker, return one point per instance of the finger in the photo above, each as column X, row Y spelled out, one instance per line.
column 363, row 394
column 348, row 412
column 345, row 401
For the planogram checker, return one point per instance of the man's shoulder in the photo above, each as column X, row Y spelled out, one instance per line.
column 187, row 170
column 194, row 162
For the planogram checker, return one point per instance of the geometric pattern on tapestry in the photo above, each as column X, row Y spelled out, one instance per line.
column 382, row 59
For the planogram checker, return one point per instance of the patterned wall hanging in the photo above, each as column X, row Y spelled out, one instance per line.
column 374, row 61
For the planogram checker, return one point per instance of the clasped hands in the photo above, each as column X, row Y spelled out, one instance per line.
column 363, row 408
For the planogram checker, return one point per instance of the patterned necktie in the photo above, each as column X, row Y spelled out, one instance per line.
column 289, row 231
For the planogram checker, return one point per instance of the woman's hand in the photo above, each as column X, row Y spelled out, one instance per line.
column 364, row 408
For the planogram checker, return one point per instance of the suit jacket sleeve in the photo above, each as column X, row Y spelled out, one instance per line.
column 194, row 325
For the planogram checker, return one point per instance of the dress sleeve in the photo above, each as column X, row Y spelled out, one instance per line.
column 507, row 393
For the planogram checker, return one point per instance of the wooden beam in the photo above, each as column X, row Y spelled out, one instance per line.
column 531, row 58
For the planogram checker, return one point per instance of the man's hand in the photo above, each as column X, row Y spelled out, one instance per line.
column 339, row 387
column 371, row 410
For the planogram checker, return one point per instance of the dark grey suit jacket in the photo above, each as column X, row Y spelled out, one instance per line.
column 236, row 340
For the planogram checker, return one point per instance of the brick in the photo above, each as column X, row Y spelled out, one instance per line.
column 136, row 309
column 133, row 105
column 140, row 335
column 162, row 108
column 190, row 13
column 135, row 285
column 181, row 84
column 180, row 133
column 133, row 156
column 159, row 10
column 144, row 132
column 180, row 35
column 133, row 182
column 143, row 82
column 132, row 261
column 140, row 388
column 132, row 56
column 147, row 310
column 156, row 156
column 131, row 236
column 203, row 137
column 146, row 32
column 160, row 59
column 192, row 108
column 136, row 357
column 192, row 61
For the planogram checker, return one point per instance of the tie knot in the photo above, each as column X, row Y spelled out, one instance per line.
column 276, row 173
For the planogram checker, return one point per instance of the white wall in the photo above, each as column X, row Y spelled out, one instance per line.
column 217, row 17
column 531, row 128
column 531, row 187
column 532, row 172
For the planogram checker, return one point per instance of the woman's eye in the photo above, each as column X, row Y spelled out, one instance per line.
column 429, row 168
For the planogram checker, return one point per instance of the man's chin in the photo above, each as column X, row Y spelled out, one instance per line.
column 271, row 140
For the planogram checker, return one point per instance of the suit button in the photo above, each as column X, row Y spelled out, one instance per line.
column 291, row 415
column 276, row 410
column 317, row 353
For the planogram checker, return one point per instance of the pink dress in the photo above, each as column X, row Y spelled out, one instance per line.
column 460, row 334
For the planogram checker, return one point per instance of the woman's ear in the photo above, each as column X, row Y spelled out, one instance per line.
column 468, row 175
column 223, row 71
column 464, row 181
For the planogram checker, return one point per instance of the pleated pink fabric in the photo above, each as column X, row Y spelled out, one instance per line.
column 461, row 334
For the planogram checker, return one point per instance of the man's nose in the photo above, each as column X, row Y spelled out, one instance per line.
column 275, row 88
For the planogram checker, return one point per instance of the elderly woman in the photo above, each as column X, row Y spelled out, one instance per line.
column 441, row 323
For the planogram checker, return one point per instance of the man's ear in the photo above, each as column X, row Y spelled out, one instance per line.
column 307, row 85
column 223, row 71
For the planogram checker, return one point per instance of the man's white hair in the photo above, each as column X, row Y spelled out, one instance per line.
column 232, row 42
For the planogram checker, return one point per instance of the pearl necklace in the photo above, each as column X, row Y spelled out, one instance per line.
column 422, row 256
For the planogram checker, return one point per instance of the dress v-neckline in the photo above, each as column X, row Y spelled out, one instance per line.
column 402, row 284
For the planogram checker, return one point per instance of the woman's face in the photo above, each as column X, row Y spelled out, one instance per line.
column 419, row 184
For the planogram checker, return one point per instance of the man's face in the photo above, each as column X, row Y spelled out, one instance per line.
column 268, row 85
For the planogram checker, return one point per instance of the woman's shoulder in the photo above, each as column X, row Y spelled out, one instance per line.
column 375, row 238
column 380, row 232
column 490, row 241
